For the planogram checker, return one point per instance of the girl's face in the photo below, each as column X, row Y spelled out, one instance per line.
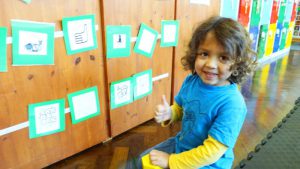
column 212, row 64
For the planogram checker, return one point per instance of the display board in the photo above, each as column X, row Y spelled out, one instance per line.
column 36, row 85
column 145, row 15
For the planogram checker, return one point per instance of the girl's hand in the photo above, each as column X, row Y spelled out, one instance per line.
column 159, row 158
column 163, row 111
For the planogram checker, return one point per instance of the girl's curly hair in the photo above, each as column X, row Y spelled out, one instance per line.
column 235, row 40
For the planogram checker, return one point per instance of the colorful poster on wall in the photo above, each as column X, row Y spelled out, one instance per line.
column 121, row 93
column 284, row 32
column 230, row 9
column 169, row 33
column 262, row 40
column 146, row 41
column 84, row 104
column 3, row 58
column 275, row 11
column 255, row 13
column 266, row 11
column 118, row 41
column 270, row 39
column 289, row 35
column 46, row 118
column 142, row 84
column 79, row 33
column 244, row 12
column 281, row 13
column 254, row 34
column 277, row 37
column 32, row 43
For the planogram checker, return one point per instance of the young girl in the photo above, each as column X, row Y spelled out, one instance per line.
column 209, row 103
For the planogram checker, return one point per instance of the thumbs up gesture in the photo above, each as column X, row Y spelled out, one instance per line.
column 163, row 111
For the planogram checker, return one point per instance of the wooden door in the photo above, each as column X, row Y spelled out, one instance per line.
column 133, row 13
column 23, row 85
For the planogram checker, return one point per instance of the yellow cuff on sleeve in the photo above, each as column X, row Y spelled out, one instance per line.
column 206, row 154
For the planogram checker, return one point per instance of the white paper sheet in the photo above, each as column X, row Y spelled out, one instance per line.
column 142, row 83
column 32, row 43
column 47, row 118
column 80, row 34
column 122, row 92
column 147, row 41
column 169, row 33
column 84, row 105
column 119, row 41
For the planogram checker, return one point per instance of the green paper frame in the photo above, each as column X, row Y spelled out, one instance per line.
column 3, row 51
column 46, row 29
column 164, row 23
column 32, row 121
column 27, row 1
column 145, row 29
column 112, row 52
column 113, row 103
column 135, row 82
column 67, row 30
column 73, row 110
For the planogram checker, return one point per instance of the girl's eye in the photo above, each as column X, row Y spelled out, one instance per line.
column 224, row 58
column 203, row 54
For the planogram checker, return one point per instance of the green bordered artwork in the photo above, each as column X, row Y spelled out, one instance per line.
column 46, row 118
column 169, row 33
column 79, row 33
column 118, row 41
column 27, row 1
column 3, row 51
column 146, row 41
column 84, row 104
column 32, row 43
column 121, row 93
column 142, row 83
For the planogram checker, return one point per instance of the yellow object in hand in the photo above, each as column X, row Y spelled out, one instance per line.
column 147, row 163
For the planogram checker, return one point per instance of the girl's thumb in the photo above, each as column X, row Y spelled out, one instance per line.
column 164, row 100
